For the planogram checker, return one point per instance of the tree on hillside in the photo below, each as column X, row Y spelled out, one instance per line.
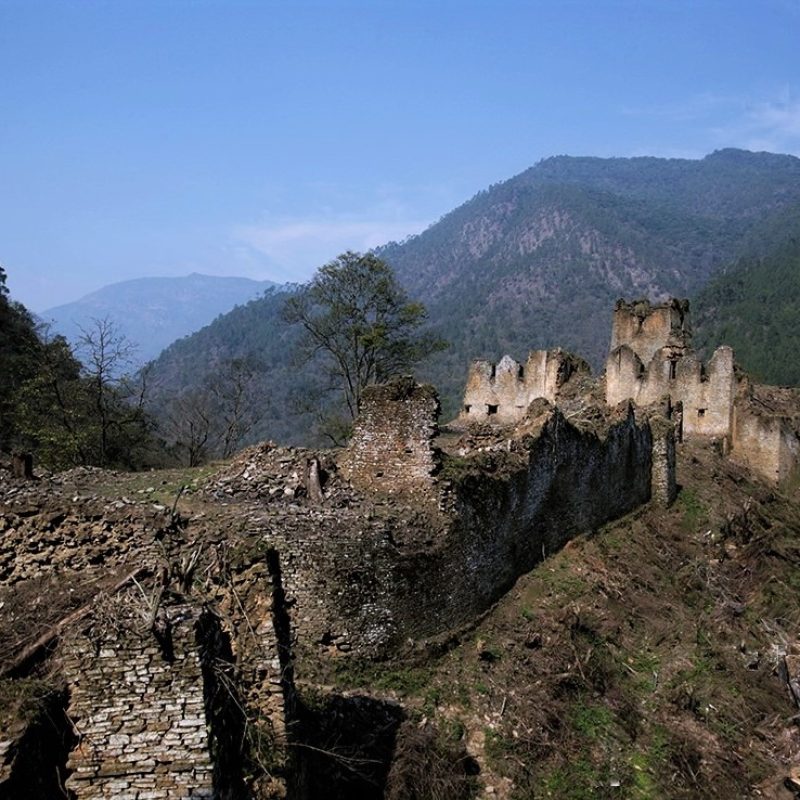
column 214, row 419
column 71, row 413
column 117, row 400
column 360, row 322
column 20, row 356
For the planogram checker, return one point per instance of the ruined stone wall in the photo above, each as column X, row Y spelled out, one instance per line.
column 139, row 707
column 140, row 703
column 391, row 447
column 647, row 328
column 706, row 391
column 373, row 581
column 502, row 392
column 767, row 444
column 81, row 537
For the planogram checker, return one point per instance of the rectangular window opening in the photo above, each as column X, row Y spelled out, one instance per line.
column 467, row 407
column 701, row 412
column 673, row 365
column 490, row 409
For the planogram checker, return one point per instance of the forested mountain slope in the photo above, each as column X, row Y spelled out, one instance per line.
column 536, row 262
column 755, row 307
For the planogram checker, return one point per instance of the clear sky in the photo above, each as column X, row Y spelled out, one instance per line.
column 262, row 138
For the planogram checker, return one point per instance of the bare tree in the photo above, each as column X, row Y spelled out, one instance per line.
column 117, row 399
column 238, row 409
column 188, row 425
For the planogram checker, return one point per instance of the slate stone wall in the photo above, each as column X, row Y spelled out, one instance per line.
column 138, row 705
column 391, row 448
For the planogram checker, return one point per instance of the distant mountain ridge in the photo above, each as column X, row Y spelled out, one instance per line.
column 154, row 312
column 537, row 261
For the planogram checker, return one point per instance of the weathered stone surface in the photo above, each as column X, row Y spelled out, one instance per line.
column 391, row 449
column 651, row 357
column 111, row 710
column 502, row 392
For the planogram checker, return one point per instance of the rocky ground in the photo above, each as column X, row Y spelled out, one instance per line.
column 649, row 659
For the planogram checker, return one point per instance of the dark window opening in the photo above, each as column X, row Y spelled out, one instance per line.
column 673, row 366
column 701, row 412
column 521, row 372
column 493, row 372
column 467, row 407
column 490, row 409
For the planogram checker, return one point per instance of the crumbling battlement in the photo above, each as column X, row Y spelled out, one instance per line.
column 392, row 444
column 502, row 392
column 651, row 358
column 706, row 390
column 646, row 328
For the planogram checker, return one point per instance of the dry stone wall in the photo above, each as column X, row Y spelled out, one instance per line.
column 139, row 707
column 392, row 442
column 371, row 581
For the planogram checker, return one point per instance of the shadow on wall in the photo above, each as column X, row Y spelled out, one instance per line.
column 360, row 748
column 40, row 767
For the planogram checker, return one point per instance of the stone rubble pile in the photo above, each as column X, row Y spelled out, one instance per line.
column 267, row 472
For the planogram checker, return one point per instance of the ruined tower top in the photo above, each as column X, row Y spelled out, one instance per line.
column 647, row 328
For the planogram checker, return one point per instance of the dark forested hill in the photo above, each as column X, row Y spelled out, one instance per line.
column 755, row 307
column 537, row 261
column 284, row 392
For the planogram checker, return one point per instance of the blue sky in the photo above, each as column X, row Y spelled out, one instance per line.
column 263, row 138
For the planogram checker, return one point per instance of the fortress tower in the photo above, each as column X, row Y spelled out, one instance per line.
column 651, row 357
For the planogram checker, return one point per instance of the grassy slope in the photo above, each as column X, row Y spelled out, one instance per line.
column 642, row 655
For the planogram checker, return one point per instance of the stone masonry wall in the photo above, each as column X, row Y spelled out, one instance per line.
column 375, row 580
column 502, row 392
column 138, row 705
column 706, row 391
column 391, row 446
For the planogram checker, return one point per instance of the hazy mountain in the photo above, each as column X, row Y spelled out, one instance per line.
column 154, row 312
column 538, row 260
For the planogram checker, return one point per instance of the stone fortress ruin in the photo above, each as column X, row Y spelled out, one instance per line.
column 294, row 556
column 651, row 361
